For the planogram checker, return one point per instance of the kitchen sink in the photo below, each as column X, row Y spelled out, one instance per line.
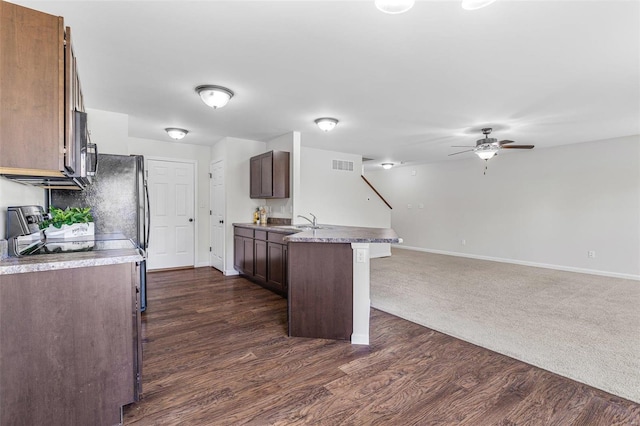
column 308, row 227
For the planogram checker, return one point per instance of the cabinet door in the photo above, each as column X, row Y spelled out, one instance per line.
column 277, row 265
column 266, row 175
column 260, row 260
column 247, row 249
column 32, row 107
column 238, row 253
column 256, row 178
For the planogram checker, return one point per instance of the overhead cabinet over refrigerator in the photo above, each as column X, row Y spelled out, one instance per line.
column 43, row 134
column 270, row 175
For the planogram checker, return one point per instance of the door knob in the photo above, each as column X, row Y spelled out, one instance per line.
column 190, row 219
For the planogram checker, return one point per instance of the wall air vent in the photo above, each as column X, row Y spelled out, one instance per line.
column 342, row 165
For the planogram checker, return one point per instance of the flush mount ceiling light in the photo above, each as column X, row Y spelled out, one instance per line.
column 176, row 133
column 475, row 4
column 387, row 166
column 394, row 7
column 326, row 123
column 214, row 96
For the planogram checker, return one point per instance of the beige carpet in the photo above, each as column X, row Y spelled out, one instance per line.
column 581, row 326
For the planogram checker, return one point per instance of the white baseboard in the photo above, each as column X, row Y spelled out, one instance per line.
column 359, row 339
column 523, row 263
column 230, row 272
column 201, row 264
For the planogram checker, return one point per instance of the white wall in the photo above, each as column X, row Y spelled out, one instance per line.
column 110, row 130
column 290, row 142
column 338, row 197
column 239, row 207
column 545, row 207
column 17, row 194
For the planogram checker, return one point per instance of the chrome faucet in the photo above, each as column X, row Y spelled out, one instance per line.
column 314, row 222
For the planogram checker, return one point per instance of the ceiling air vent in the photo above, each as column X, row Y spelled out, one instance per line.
column 343, row 165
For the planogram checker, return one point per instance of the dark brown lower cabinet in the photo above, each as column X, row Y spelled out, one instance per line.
column 243, row 255
column 277, row 259
column 260, row 253
column 261, row 256
column 69, row 345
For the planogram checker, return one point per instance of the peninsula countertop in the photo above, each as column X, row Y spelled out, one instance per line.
column 329, row 233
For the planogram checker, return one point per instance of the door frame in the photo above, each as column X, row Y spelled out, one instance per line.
column 195, row 196
column 224, row 228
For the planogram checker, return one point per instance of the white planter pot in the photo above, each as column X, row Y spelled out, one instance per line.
column 70, row 231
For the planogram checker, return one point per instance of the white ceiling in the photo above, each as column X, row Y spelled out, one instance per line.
column 404, row 87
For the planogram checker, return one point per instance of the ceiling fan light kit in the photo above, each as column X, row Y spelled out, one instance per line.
column 387, row 166
column 326, row 123
column 488, row 148
column 214, row 96
column 394, row 7
column 176, row 133
column 475, row 4
column 487, row 153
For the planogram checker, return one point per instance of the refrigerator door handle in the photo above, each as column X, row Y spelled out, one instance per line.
column 148, row 212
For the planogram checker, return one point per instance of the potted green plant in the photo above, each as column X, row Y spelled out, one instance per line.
column 68, row 223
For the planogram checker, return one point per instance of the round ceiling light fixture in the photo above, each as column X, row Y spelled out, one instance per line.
column 387, row 166
column 475, row 4
column 214, row 96
column 176, row 133
column 326, row 123
column 393, row 7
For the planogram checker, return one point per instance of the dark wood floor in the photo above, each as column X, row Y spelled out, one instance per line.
column 216, row 352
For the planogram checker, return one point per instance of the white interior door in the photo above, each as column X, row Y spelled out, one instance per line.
column 171, row 195
column 217, row 215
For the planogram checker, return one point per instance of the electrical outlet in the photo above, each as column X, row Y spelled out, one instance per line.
column 463, row 242
column 591, row 254
column 360, row 256
column 421, row 206
column 413, row 172
column 409, row 206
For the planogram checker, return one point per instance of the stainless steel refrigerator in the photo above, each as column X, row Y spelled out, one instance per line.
column 119, row 203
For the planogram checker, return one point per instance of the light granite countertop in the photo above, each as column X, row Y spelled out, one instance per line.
column 48, row 262
column 330, row 233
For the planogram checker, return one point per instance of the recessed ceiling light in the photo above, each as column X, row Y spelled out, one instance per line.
column 475, row 4
column 394, row 7
column 387, row 166
column 176, row 133
column 326, row 123
column 214, row 96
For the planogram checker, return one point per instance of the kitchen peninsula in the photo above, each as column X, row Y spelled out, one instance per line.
column 327, row 275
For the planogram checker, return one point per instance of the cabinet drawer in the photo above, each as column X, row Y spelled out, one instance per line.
column 243, row 232
column 261, row 235
column 276, row 237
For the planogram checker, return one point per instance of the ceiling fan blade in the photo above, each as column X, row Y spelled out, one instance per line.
column 455, row 153
column 504, row 142
column 462, row 146
column 518, row 147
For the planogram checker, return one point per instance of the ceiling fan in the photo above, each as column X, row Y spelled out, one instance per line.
column 488, row 147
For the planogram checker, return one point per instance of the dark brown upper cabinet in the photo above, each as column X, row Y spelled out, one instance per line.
column 40, row 93
column 270, row 175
